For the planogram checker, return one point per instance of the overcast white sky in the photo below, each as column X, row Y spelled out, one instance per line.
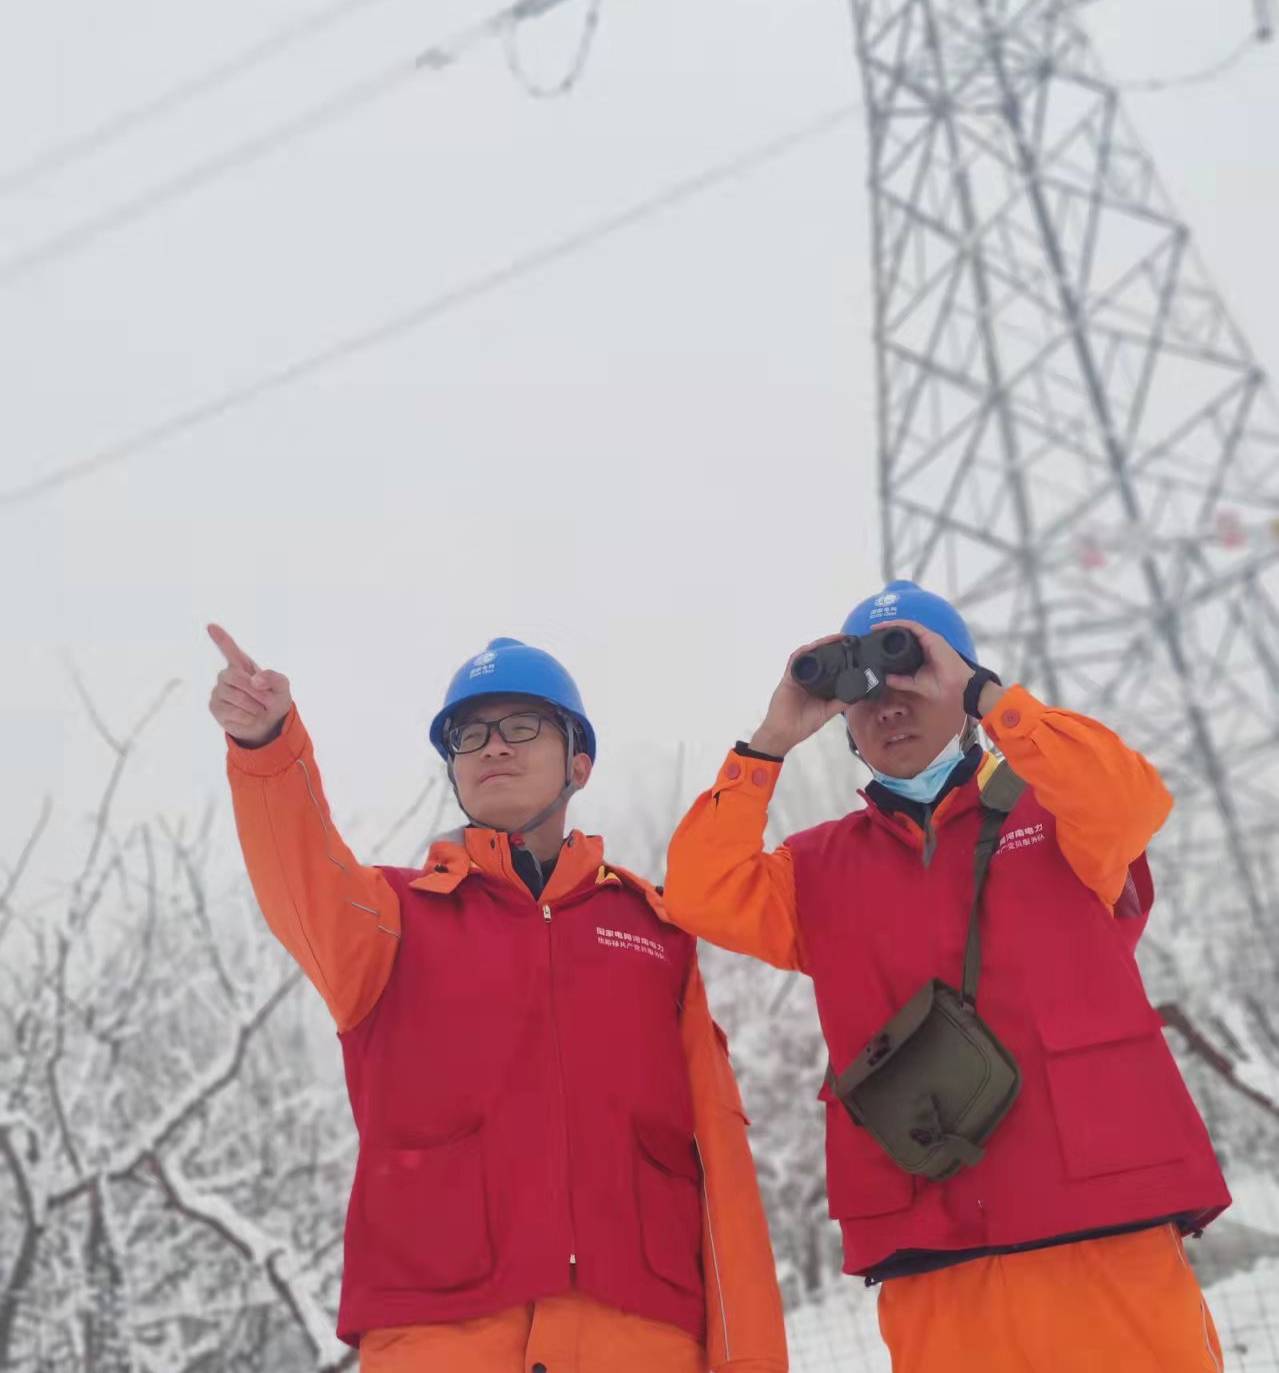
column 655, row 457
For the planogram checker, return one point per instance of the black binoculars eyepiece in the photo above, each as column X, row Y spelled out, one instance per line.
column 854, row 668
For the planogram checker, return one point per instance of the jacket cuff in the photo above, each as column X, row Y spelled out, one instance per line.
column 273, row 758
column 755, row 775
column 1014, row 716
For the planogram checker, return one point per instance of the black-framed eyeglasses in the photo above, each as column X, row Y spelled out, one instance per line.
column 517, row 728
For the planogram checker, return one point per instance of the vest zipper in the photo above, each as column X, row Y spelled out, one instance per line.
column 559, row 1065
column 930, row 836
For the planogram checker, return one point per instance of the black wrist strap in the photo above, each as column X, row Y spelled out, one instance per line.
column 972, row 692
column 745, row 750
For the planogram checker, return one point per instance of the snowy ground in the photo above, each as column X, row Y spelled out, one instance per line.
column 841, row 1333
column 1246, row 1309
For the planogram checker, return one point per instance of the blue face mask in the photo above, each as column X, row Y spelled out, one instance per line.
column 924, row 785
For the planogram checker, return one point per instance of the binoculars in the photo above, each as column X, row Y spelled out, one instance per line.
column 854, row 668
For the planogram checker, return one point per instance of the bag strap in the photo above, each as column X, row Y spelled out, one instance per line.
column 1001, row 793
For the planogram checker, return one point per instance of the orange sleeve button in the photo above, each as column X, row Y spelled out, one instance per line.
column 1010, row 719
column 733, row 771
column 759, row 777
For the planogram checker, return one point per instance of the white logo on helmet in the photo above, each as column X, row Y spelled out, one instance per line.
column 885, row 606
column 482, row 664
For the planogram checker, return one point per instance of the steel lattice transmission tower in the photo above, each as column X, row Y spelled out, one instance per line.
column 1077, row 445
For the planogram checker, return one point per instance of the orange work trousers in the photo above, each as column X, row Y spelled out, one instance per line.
column 1124, row 1304
column 568, row 1334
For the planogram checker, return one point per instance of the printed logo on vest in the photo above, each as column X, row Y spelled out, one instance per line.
column 1023, row 838
column 637, row 943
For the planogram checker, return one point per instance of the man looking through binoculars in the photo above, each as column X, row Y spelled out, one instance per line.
column 1011, row 1151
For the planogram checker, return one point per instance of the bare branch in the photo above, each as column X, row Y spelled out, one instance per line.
column 200, row 909
column 1203, row 1048
column 100, row 822
column 149, row 714
column 217, row 1076
column 55, row 1058
column 121, row 751
column 24, row 1264
column 130, row 982
column 266, row 1253
column 90, row 708
column 95, row 1020
column 7, row 911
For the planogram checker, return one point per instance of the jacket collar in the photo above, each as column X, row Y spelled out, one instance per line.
column 889, row 801
column 475, row 850
column 907, row 819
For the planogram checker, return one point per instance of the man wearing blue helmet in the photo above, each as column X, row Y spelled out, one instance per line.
column 1010, row 1150
column 553, row 1173
column 496, row 702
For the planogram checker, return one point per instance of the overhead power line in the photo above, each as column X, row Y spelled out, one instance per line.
column 576, row 66
column 486, row 283
column 1262, row 33
column 168, row 102
column 1198, row 77
column 341, row 105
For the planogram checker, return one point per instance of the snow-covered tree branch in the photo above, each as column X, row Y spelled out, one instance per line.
column 165, row 1141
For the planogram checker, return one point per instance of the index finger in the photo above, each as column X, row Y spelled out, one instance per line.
column 230, row 650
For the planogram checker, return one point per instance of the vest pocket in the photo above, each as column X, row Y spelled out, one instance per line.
column 1116, row 1097
column 426, row 1215
column 668, row 1194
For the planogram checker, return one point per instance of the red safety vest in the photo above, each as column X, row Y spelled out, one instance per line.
column 1104, row 1133
column 522, row 1098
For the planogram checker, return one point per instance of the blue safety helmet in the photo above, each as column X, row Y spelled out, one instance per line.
column 508, row 667
column 909, row 601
